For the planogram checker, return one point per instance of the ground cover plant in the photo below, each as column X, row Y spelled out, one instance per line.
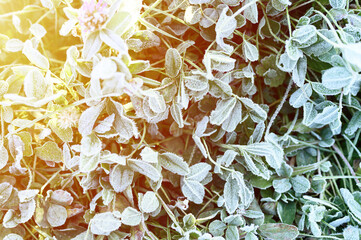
column 180, row 119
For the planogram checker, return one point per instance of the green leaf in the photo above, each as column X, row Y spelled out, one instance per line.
column 279, row 231
column 173, row 62
column 150, row 202
column 174, row 163
column 193, row 190
column 286, row 211
column 131, row 217
column 336, row 78
column 104, row 223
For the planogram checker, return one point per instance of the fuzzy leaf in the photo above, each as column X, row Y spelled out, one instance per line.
column 336, row 78
column 174, row 163
column 173, row 62
column 104, row 223
column 193, row 190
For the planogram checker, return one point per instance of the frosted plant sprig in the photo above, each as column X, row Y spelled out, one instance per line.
column 68, row 118
column 93, row 15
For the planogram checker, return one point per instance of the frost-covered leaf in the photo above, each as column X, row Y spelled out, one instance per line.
column 336, row 78
column 251, row 12
column 5, row 192
column 125, row 126
column 176, row 112
column 13, row 236
column 37, row 30
column 338, row 4
column 353, row 124
column 309, row 113
column 150, row 202
column 193, row 190
column 131, row 216
column 250, row 51
column 88, row 118
column 281, row 185
column 225, row 27
column 34, row 56
column 120, row 178
column 300, row 184
column 90, row 145
column 149, row 155
column 144, row 168
column 198, row 171
column 104, row 223
column 301, row 96
column 4, row 156
column 305, row 35
column 106, row 68
column 173, row 62
column 351, row 233
column 299, row 71
column 35, row 85
column 279, row 231
column 321, row 89
column 231, row 194
column 49, row 151
column 223, row 110
column 352, row 51
column 112, row 40
column 14, row 45
column 328, row 115
column 192, row 15
column 173, row 163
column 56, row 215
column 92, row 45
